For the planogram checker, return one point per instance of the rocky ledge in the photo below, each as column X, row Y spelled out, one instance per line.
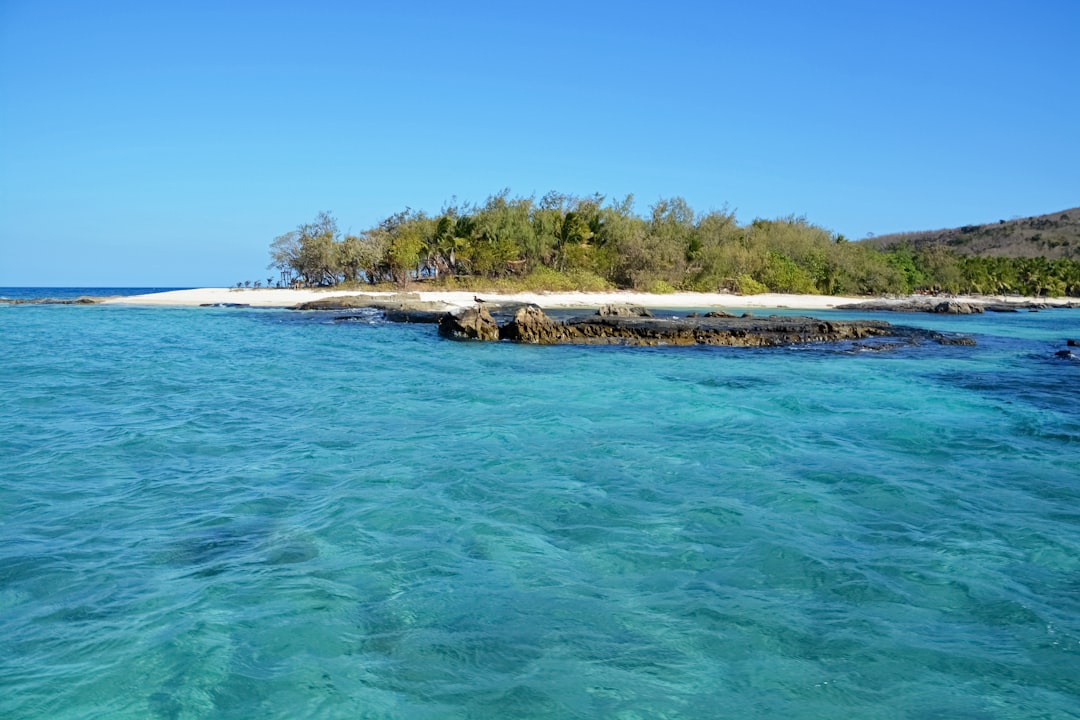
column 531, row 325
column 397, row 307
column 84, row 300
column 949, row 307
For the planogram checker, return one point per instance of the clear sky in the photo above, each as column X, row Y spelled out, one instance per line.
column 166, row 144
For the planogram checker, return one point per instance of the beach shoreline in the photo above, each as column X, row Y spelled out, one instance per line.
column 452, row 299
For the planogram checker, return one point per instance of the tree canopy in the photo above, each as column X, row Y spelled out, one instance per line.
column 564, row 242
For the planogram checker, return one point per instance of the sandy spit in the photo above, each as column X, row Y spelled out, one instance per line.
column 272, row 297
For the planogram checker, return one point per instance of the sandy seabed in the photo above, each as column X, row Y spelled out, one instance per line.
column 276, row 297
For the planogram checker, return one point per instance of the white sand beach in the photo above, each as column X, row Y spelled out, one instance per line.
column 274, row 297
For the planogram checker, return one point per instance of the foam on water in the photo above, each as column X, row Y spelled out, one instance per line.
column 235, row 513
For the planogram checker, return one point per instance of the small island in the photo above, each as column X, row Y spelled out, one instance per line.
column 562, row 243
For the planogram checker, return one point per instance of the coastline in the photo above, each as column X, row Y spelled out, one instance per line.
column 284, row 298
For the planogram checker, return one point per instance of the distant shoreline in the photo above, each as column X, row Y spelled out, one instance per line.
column 284, row 298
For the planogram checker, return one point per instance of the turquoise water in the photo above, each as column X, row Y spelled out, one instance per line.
column 227, row 513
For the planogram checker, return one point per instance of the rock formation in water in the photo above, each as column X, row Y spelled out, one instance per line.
column 949, row 307
column 531, row 325
column 397, row 307
column 470, row 324
column 84, row 300
column 942, row 307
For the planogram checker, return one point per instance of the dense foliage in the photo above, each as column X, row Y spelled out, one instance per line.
column 562, row 242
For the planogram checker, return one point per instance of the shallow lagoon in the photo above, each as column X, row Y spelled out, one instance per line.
column 240, row 513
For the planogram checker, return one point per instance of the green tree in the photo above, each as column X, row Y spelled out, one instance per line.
column 941, row 268
column 403, row 253
column 309, row 251
column 902, row 259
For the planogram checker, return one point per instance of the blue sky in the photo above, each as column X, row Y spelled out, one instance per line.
column 146, row 143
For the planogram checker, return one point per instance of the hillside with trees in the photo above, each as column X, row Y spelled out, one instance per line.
column 1052, row 236
column 565, row 242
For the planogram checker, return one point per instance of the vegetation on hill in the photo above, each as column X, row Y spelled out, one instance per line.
column 1053, row 236
column 563, row 242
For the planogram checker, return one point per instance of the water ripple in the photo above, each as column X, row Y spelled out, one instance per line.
column 236, row 513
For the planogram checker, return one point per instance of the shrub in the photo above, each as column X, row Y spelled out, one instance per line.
column 746, row 285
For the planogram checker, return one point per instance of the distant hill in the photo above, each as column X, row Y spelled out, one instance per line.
column 1053, row 236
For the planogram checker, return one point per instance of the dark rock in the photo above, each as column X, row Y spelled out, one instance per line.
column 1065, row 355
column 531, row 325
column 349, row 302
column 952, row 307
column 469, row 324
column 747, row 315
column 942, row 339
column 84, row 300
column 718, row 314
column 877, row 347
column 945, row 307
column 1072, row 343
column 875, row 306
column 399, row 307
column 623, row 311
column 343, row 302
column 415, row 313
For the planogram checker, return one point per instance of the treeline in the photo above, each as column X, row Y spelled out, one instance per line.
column 564, row 242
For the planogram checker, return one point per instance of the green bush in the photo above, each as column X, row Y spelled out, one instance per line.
column 746, row 285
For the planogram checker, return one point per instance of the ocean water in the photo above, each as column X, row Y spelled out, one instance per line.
column 70, row 293
column 236, row 513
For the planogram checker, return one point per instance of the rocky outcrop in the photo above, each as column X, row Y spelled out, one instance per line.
column 623, row 311
column 950, row 307
column 469, row 324
column 954, row 307
column 532, row 325
column 398, row 307
column 348, row 302
column 427, row 313
column 84, row 300
column 943, row 307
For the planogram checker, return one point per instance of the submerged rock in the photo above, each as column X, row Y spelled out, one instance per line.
column 943, row 339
